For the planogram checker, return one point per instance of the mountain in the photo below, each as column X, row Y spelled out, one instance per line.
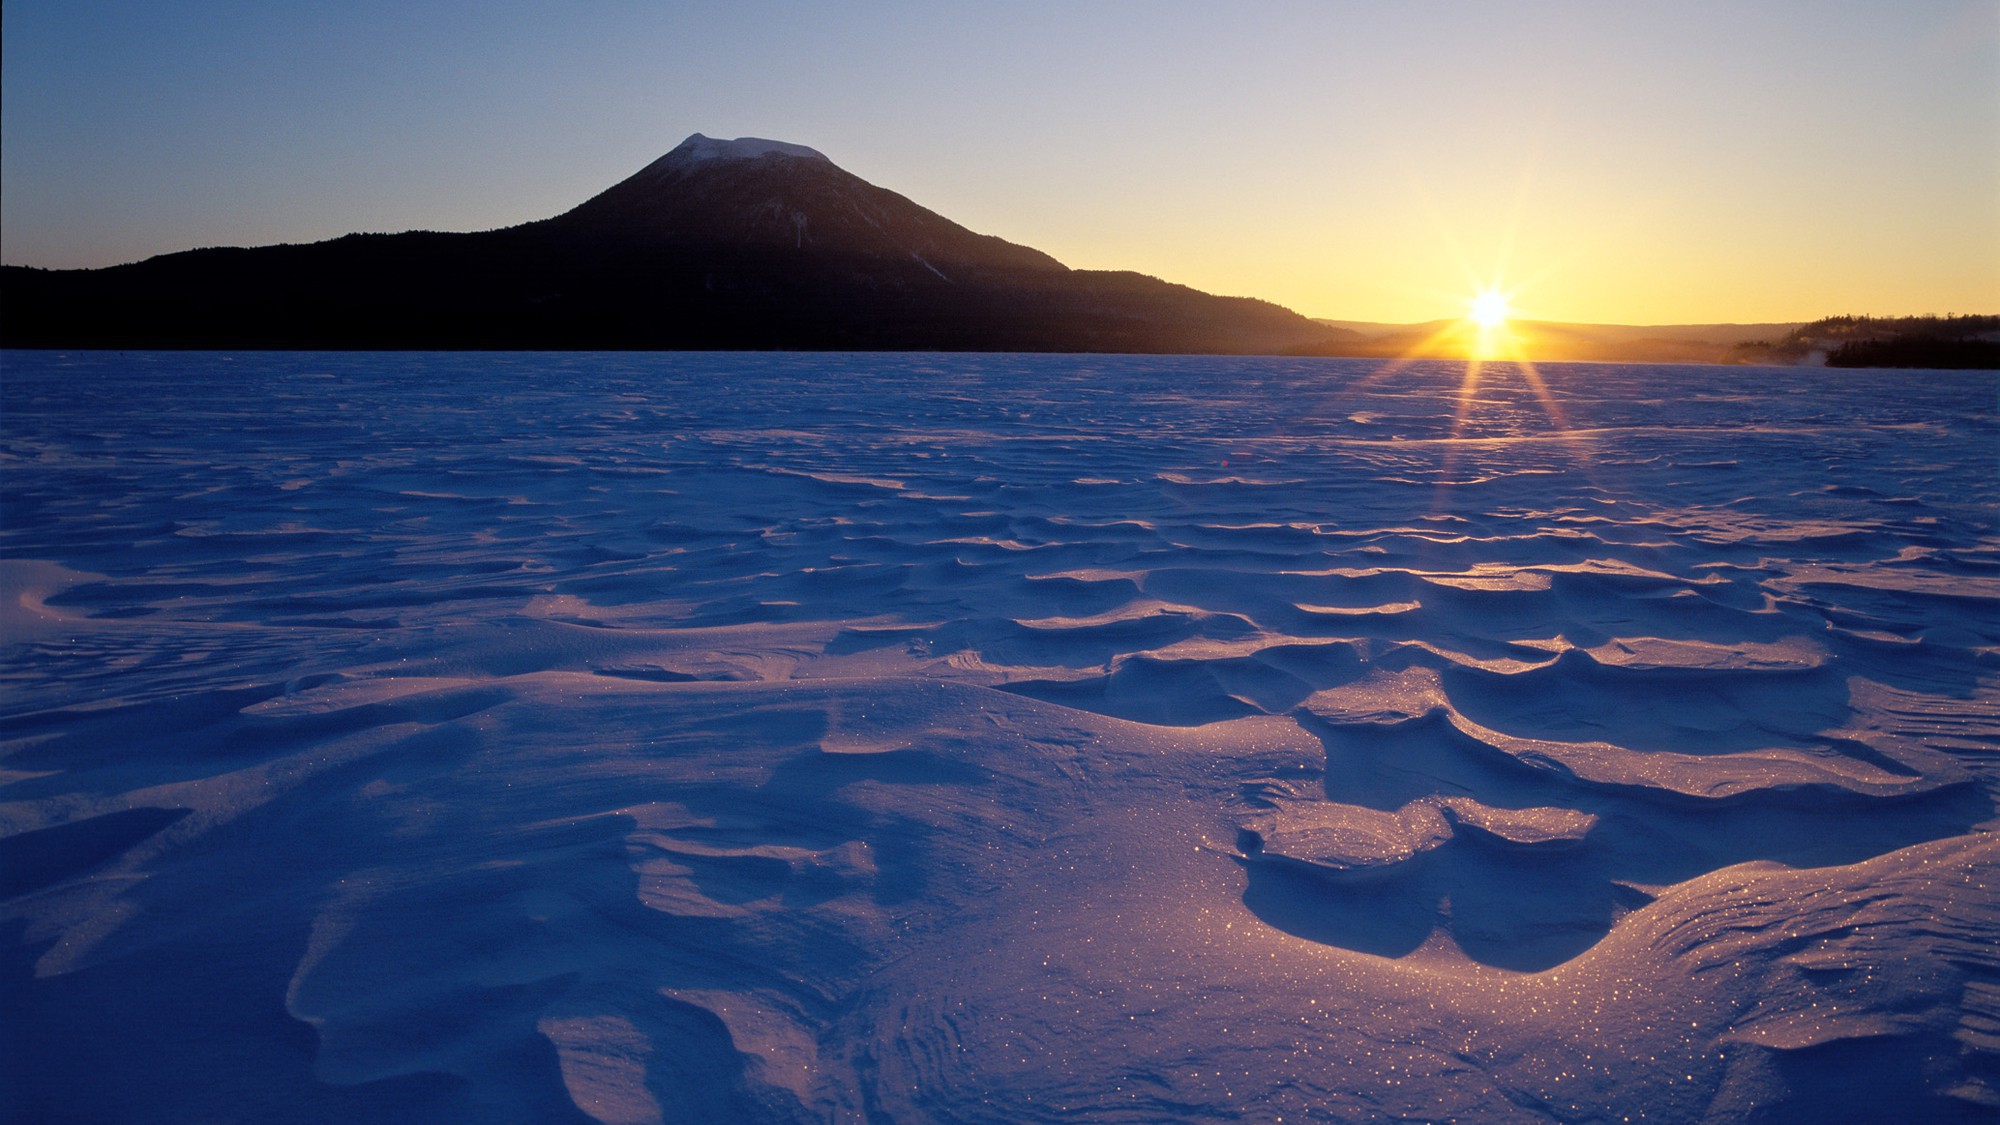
column 771, row 195
column 718, row 244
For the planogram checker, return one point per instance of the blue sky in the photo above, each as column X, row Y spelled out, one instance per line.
column 1603, row 161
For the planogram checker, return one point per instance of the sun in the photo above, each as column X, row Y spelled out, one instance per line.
column 1489, row 309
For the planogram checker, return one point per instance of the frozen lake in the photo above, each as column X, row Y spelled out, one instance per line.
column 504, row 737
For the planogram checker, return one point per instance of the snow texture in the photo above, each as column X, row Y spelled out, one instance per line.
column 632, row 738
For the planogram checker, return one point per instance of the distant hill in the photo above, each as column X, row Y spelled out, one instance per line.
column 1865, row 341
column 1552, row 341
column 718, row 244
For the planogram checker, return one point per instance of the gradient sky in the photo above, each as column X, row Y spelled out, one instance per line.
column 1606, row 161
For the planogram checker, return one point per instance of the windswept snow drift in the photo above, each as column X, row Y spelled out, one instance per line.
column 792, row 738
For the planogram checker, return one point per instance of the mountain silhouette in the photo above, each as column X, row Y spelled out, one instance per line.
column 718, row 244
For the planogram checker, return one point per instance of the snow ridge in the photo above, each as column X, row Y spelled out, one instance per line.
column 698, row 149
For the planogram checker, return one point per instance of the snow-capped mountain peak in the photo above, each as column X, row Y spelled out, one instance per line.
column 699, row 149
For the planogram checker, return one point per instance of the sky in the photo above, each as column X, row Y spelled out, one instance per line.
column 1611, row 161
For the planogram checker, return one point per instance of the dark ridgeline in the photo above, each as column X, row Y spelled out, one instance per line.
column 1937, row 342
column 718, row 244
